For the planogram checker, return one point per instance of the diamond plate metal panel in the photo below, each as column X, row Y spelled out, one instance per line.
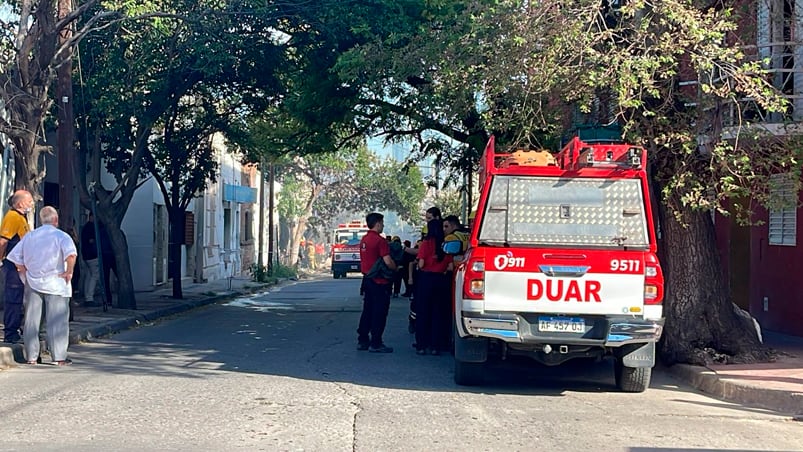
column 562, row 211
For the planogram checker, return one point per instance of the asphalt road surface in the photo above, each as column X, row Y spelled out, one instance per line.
column 280, row 371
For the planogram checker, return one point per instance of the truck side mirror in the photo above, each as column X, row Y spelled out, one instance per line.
column 453, row 247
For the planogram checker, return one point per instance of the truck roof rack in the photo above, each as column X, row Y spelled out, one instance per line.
column 575, row 156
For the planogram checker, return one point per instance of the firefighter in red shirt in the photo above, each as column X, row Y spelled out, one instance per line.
column 376, row 303
column 432, row 324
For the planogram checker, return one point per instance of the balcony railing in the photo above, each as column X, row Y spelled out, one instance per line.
column 783, row 63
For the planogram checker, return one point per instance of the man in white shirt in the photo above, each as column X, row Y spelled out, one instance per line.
column 45, row 259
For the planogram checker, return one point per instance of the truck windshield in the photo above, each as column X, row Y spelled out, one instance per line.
column 565, row 211
column 349, row 237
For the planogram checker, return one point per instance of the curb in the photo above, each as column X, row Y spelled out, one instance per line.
column 12, row 354
column 709, row 382
column 115, row 326
column 7, row 356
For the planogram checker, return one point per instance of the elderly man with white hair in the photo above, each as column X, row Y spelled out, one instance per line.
column 45, row 259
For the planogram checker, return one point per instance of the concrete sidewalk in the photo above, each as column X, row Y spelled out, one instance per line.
column 776, row 386
column 93, row 322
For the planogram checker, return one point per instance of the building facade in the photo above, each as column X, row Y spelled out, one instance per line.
column 763, row 262
column 221, row 235
column 221, row 230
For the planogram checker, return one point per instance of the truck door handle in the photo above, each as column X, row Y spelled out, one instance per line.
column 572, row 271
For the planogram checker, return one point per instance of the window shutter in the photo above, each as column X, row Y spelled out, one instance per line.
column 783, row 220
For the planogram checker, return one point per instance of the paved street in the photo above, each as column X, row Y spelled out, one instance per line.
column 279, row 371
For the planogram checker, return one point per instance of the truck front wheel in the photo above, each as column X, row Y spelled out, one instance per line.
column 631, row 379
column 467, row 374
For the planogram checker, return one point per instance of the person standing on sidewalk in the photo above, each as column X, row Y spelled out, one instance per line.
column 432, row 299
column 311, row 255
column 376, row 304
column 13, row 228
column 45, row 259
column 109, row 262
column 89, row 254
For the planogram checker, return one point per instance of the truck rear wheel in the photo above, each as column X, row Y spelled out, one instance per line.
column 631, row 379
column 467, row 374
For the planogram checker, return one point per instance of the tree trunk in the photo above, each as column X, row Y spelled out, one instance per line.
column 296, row 233
column 125, row 282
column 176, row 215
column 701, row 323
column 26, row 168
column 109, row 211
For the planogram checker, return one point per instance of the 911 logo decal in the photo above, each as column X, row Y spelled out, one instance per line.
column 507, row 260
column 560, row 290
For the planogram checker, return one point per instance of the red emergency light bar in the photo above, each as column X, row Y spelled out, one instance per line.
column 352, row 224
column 578, row 154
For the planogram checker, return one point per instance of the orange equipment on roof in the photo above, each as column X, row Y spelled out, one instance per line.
column 526, row 157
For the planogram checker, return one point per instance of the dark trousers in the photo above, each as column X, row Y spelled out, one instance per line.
column 374, row 316
column 12, row 311
column 109, row 264
column 432, row 308
column 397, row 280
column 408, row 288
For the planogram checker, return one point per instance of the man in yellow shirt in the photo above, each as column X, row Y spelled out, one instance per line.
column 453, row 230
column 12, row 229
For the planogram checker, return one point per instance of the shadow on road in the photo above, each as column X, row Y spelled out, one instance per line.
column 308, row 331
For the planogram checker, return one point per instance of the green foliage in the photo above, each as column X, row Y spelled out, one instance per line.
column 372, row 71
column 353, row 180
column 170, row 80
column 529, row 71
column 284, row 271
column 450, row 201
column 423, row 71
column 291, row 197
column 260, row 273
column 624, row 66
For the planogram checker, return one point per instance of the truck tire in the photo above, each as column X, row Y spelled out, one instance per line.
column 335, row 275
column 467, row 374
column 631, row 379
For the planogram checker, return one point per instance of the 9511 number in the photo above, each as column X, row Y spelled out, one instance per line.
column 625, row 265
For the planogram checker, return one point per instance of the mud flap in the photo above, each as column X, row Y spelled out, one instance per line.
column 470, row 349
column 643, row 356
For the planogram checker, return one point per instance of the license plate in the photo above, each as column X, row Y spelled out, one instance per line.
column 561, row 324
column 354, row 267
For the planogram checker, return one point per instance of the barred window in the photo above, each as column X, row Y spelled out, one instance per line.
column 783, row 210
column 249, row 233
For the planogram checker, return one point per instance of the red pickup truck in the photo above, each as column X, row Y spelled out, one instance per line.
column 561, row 263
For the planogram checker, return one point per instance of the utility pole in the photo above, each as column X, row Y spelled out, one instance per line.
column 66, row 133
column 271, row 227
column 261, row 244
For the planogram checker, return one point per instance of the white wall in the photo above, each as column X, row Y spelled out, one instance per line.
column 222, row 258
column 217, row 259
column 138, row 228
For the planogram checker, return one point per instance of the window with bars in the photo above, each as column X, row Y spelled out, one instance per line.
column 783, row 216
